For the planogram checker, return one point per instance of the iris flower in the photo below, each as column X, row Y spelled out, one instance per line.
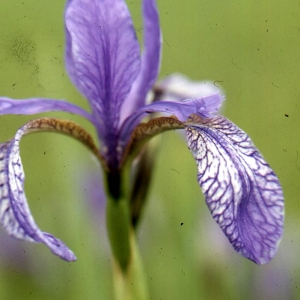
column 103, row 60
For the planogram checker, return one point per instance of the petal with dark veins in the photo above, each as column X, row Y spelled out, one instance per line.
column 15, row 215
column 241, row 190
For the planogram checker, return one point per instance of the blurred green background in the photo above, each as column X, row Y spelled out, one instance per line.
column 252, row 49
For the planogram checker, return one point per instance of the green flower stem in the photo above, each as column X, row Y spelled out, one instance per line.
column 131, row 284
column 118, row 222
column 128, row 273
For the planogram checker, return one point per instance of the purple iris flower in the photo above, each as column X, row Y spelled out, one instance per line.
column 103, row 61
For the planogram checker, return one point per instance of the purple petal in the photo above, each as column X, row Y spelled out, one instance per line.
column 39, row 105
column 205, row 106
column 241, row 190
column 15, row 215
column 102, row 56
column 150, row 60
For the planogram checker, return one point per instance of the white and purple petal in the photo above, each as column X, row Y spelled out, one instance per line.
column 32, row 106
column 241, row 190
column 150, row 63
column 177, row 87
column 102, row 57
column 15, row 216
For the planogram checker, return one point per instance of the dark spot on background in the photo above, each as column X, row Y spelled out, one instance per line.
column 21, row 49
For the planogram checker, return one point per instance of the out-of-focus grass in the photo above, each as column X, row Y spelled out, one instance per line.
column 251, row 49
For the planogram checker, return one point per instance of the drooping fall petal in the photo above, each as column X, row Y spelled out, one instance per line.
column 241, row 190
column 15, row 215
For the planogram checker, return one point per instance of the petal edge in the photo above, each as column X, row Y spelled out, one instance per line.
column 33, row 106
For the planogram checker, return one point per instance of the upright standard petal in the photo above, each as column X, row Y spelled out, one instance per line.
column 102, row 57
column 241, row 190
column 39, row 105
column 151, row 57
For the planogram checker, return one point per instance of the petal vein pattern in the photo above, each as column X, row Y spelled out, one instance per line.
column 241, row 190
column 15, row 216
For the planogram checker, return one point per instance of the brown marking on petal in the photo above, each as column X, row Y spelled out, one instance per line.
column 145, row 131
column 66, row 127
column 195, row 119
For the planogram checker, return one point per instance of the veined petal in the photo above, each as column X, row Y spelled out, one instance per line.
column 241, row 190
column 39, row 105
column 15, row 215
column 150, row 60
column 205, row 107
column 178, row 87
column 102, row 56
